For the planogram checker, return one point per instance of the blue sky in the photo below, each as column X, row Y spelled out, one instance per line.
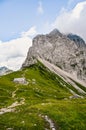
column 19, row 15
column 21, row 20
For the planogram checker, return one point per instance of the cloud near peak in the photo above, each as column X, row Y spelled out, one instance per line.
column 72, row 21
column 13, row 52
column 31, row 32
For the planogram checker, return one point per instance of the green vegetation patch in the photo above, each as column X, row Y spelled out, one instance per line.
column 45, row 94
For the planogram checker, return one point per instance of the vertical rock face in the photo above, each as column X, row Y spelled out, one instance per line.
column 61, row 50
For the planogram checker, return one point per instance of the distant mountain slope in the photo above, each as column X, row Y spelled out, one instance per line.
column 77, row 39
column 61, row 50
column 4, row 70
column 45, row 103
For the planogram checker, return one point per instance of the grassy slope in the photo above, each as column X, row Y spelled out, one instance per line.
column 44, row 96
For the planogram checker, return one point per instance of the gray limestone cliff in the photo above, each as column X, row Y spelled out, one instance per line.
column 64, row 51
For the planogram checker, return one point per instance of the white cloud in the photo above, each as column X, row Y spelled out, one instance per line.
column 73, row 21
column 0, row 41
column 30, row 32
column 13, row 52
column 40, row 9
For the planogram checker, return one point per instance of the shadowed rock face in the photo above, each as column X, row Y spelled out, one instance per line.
column 60, row 50
column 77, row 39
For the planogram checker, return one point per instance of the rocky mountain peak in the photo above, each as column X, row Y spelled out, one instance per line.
column 55, row 32
column 60, row 50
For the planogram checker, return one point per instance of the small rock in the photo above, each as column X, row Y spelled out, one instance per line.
column 9, row 128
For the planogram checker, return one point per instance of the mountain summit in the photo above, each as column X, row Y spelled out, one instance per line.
column 55, row 32
column 60, row 50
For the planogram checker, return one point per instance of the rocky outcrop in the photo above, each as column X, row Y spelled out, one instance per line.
column 60, row 50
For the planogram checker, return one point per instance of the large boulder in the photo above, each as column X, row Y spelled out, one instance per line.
column 20, row 81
